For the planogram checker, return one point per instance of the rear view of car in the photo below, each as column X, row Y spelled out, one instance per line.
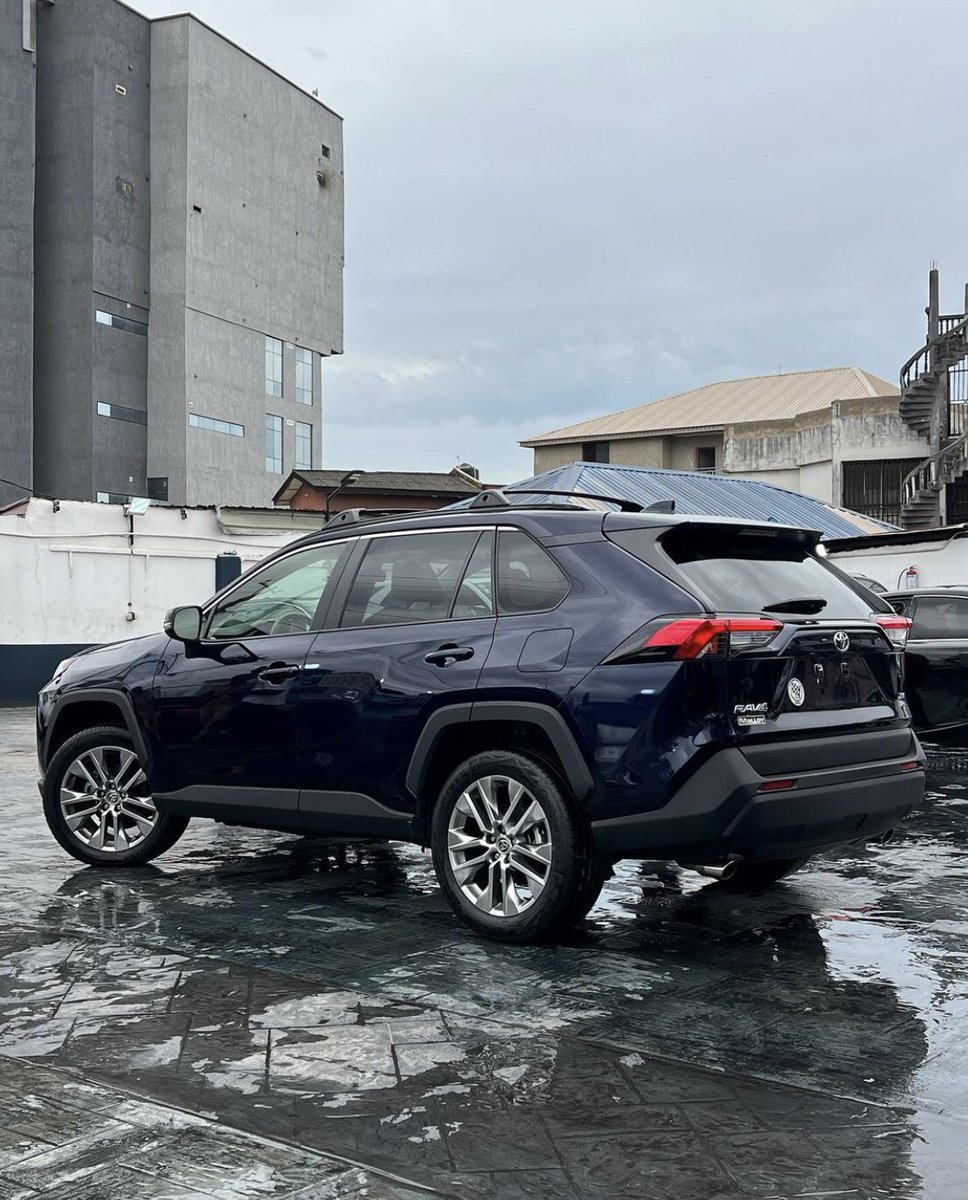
column 779, row 726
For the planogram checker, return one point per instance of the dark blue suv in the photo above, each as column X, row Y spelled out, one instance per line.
column 532, row 691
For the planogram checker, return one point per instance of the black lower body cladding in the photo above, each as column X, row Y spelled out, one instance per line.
column 720, row 811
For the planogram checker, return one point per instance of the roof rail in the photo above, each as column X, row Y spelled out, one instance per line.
column 624, row 504
column 490, row 498
column 356, row 516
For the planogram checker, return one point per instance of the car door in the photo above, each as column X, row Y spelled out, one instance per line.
column 411, row 637
column 228, row 735
column 936, row 661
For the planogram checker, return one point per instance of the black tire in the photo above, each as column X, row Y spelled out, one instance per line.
column 573, row 878
column 750, row 876
column 166, row 829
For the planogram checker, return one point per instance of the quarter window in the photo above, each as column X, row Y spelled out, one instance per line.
column 304, row 375
column 273, row 367
column 408, row 579
column 273, row 444
column 281, row 598
column 304, row 446
column 528, row 578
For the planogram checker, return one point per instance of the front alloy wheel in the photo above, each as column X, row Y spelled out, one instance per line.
column 511, row 853
column 105, row 801
column 98, row 804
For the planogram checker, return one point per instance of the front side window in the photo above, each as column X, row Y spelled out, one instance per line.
column 304, row 446
column 408, row 579
column 528, row 578
column 304, row 375
column 944, row 618
column 273, row 444
column 281, row 598
column 273, row 367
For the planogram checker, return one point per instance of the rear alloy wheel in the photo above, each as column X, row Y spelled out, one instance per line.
column 753, row 875
column 98, row 804
column 510, row 854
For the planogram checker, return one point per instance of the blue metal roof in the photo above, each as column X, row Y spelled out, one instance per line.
column 703, row 495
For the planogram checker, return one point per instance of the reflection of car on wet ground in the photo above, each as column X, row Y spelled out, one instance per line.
column 936, row 659
column 534, row 691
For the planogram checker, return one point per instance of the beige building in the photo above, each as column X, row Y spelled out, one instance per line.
column 835, row 434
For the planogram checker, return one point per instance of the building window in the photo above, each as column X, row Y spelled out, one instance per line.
column 157, row 487
column 136, row 416
column 125, row 323
column 595, row 452
column 273, row 367
column 112, row 498
column 304, row 375
column 210, row 423
column 874, row 488
column 304, row 446
column 273, row 444
column 706, row 459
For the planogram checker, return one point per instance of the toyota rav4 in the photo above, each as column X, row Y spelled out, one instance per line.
column 532, row 691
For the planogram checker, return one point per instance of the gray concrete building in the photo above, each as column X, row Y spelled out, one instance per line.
column 184, row 249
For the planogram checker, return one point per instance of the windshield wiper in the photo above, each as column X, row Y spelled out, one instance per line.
column 799, row 604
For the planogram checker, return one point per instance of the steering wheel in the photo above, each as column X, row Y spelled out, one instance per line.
column 292, row 618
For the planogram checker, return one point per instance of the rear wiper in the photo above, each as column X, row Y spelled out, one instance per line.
column 799, row 604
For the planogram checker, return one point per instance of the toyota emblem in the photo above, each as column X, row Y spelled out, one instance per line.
column 796, row 692
column 841, row 641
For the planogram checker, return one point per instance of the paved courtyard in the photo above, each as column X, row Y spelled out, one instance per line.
column 262, row 1015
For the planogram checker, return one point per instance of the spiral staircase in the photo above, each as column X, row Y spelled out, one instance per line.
column 924, row 409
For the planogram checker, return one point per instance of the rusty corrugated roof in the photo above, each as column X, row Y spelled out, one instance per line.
column 735, row 401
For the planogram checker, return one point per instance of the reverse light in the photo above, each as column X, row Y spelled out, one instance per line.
column 712, row 636
column 896, row 628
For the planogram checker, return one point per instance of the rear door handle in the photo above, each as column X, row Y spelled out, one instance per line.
column 443, row 656
column 278, row 672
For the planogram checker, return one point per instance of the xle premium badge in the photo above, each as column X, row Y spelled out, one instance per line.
column 750, row 714
column 796, row 692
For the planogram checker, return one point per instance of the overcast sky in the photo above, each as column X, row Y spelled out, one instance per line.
column 557, row 209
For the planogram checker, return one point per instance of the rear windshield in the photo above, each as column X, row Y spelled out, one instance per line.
column 757, row 574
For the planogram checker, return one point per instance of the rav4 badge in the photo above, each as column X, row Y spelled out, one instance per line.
column 796, row 692
column 750, row 714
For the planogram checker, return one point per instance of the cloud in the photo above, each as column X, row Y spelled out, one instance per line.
column 556, row 209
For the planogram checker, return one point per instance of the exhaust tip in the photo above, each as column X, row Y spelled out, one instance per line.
column 721, row 871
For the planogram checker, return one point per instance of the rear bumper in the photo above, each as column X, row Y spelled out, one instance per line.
column 720, row 811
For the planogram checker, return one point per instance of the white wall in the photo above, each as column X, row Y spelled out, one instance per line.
column 937, row 563
column 68, row 577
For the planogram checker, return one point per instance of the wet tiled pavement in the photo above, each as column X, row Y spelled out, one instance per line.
column 264, row 1015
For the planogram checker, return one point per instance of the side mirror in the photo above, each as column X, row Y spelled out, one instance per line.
column 184, row 624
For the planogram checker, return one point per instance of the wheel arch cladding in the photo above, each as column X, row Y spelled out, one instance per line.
column 456, row 732
column 86, row 710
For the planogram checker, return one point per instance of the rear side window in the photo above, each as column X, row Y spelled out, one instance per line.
column 406, row 579
column 475, row 597
column 940, row 617
column 762, row 573
column 528, row 578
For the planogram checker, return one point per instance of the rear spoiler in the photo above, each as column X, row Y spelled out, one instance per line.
column 615, row 522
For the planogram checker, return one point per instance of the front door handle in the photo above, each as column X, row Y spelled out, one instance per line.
column 443, row 656
column 278, row 672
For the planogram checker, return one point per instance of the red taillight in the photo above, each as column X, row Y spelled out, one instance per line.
column 896, row 628
column 777, row 785
column 699, row 637
column 910, row 766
